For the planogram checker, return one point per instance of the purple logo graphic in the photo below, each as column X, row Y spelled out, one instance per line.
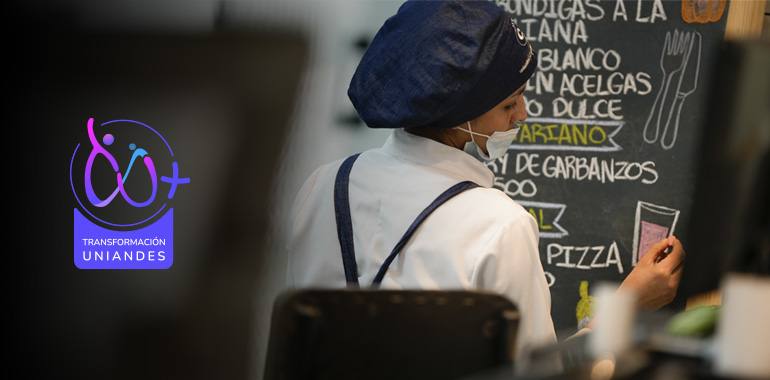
column 97, row 150
column 131, row 231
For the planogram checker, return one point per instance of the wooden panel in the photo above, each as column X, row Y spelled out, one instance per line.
column 744, row 20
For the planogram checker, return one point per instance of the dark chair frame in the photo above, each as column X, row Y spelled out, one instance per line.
column 389, row 334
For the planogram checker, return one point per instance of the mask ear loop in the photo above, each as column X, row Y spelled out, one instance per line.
column 470, row 132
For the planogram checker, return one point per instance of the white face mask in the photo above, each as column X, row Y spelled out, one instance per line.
column 497, row 143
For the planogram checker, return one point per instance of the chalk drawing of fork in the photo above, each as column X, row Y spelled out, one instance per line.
column 688, row 82
column 672, row 61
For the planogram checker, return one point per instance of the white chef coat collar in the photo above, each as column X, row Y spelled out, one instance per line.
column 425, row 151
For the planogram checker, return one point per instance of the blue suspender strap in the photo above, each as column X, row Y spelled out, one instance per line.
column 445, row 196
column 344, row 223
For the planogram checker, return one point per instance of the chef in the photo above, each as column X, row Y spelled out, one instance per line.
column 448, row 78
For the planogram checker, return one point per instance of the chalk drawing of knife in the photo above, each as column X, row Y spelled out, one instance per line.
column 688, row 83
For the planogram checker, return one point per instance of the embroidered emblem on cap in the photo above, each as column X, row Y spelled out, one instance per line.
column 529, row 58
column 520, row 37
column 522, row 40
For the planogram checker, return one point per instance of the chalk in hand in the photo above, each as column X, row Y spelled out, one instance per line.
column 668, row 249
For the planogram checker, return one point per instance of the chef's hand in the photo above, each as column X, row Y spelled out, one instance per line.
column 656, row 276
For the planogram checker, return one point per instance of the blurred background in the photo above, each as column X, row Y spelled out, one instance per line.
column 252, row 97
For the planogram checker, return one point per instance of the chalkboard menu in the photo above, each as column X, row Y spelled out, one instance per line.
column 605, row 161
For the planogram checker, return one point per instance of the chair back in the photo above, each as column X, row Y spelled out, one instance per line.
column 389, row 334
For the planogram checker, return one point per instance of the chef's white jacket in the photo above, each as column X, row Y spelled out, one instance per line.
column 480, row 239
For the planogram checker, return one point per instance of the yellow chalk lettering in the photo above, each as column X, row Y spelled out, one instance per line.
column 564, row 134
column 602, row 134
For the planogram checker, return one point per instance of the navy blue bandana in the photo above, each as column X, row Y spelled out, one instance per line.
column 440, row 64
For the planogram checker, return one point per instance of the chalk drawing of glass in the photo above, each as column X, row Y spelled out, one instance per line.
column 653, row 223
column 680, row 64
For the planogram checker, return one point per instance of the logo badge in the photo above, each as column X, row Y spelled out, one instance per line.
column 125, row 218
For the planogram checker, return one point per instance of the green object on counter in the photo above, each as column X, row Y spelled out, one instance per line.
column 695, row 322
